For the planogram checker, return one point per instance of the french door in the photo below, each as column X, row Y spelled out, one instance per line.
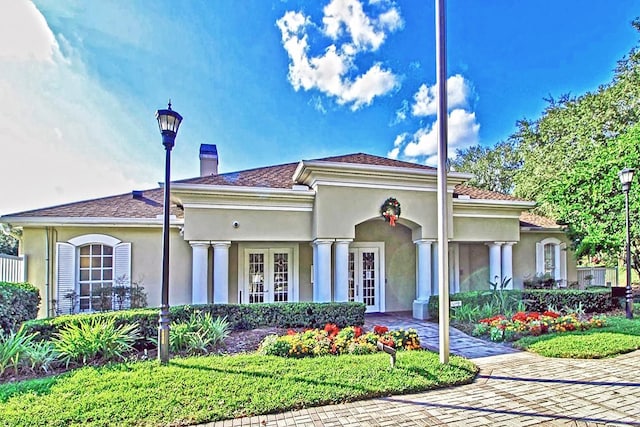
column 268, row 275
column 365, row 277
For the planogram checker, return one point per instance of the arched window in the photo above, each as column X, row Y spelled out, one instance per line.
column 551, row 259
column 87, row 264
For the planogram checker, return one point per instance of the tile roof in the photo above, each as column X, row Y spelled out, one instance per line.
column 148, row 203
column 528, row 219
column 478, row 193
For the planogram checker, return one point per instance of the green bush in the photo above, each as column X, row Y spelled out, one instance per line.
column 18, row 303
column 239, row 316
column 199, row 335
column 13, row 347
column 591, row 300
column 95, row 338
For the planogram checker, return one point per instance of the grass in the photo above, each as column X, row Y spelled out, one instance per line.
column 620, row 335
column 204, row 389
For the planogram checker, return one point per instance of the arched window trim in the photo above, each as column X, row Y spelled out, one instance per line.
column 67, row 262
column 560, row 261
column 94, row 238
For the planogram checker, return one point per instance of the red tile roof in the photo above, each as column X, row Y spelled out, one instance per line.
column 148, row 204
column 528, row 219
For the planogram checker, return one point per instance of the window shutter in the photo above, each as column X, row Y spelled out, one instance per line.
column 66, row 277
column 539, row 258
column 122, row 265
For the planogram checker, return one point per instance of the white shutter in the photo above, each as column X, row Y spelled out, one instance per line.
column 122, row 266
column 539, row 258
column 65, row 277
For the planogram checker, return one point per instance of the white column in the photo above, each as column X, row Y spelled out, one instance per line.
column 434, row 271
column 341, row 271
column 423, row 279
column 200, row 259
column 322, row 270
column 221, row 272
column 507, row 263
column 495, row 262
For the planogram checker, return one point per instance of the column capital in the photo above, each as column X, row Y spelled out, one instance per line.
column 424, row 241
column 494, row 243
column 318, row 242
column 222, row 244
column 509, row 243
column 199, row 243
column 343, row 241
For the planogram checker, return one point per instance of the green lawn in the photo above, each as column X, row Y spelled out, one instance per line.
column 204, row 389
column 620, row 335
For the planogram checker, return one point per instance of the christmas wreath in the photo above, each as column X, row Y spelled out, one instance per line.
column 390, row 211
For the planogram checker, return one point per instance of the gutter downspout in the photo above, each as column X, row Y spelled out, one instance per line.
column 47, row 284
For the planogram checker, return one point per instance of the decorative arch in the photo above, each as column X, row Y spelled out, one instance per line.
column 552, row 250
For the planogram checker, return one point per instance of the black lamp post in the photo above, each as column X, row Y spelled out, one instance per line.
column 626, row 176
column 169, row 122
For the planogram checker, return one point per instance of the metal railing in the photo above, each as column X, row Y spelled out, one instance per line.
column 13, row 268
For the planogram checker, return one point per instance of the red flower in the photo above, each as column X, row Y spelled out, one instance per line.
column 519, row 316
column 551, row 314
column 291, row 332
column 357, row 330
column 331, row 329
column 380, row 330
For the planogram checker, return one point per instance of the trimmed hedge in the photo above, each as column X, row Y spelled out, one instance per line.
column 18, row 303
column 592, row 300
column 239, row 316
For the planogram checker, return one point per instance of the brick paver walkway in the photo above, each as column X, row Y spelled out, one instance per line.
column 512, row 389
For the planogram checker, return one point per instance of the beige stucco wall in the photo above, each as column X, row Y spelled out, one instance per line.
column 400, row 261
column 476, row 229
column 474, row 266
column 146, row 260
column 524, row 256
column 253, row 225
column 339, row 209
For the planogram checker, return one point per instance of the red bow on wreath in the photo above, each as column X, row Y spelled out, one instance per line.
column 390, row 211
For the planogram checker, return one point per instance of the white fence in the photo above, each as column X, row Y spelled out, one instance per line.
column 597, row 276
column 13, row 268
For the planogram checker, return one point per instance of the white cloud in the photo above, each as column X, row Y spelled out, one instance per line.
column 59, row 136
column 333, row 73
column 462, row 132
column 38, row 44
column 458, row 92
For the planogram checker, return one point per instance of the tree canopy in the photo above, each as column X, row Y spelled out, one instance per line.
column 568, row 160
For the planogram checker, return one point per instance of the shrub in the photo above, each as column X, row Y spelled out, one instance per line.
column 238, row 316
column 590, row 301
column 93, row 338
column 18, row 303
column 12, row 349
column 199, row 334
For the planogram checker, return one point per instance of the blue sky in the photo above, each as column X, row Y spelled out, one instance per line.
column 273, row 81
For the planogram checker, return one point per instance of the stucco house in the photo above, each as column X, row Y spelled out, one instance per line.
column 305, row 231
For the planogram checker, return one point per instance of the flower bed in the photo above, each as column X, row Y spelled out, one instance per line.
column 500, row 328
column 331, row 340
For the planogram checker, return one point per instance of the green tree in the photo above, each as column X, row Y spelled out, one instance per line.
column 8, row 244
column 493, row 168
column 588, row 198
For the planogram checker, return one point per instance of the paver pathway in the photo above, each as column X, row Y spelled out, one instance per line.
column 512, row 389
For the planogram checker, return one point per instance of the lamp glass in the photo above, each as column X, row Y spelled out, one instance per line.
column 168, row 121
column 626, row 175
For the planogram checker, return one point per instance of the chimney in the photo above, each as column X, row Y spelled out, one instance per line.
column 208, row 160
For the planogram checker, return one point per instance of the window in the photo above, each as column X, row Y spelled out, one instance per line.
column 95, row 275
column 551, row 259
column 84, row 266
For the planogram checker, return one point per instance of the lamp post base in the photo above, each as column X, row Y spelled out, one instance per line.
column 163, row 335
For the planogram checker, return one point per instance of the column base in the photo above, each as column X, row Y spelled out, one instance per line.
column 421, row 310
